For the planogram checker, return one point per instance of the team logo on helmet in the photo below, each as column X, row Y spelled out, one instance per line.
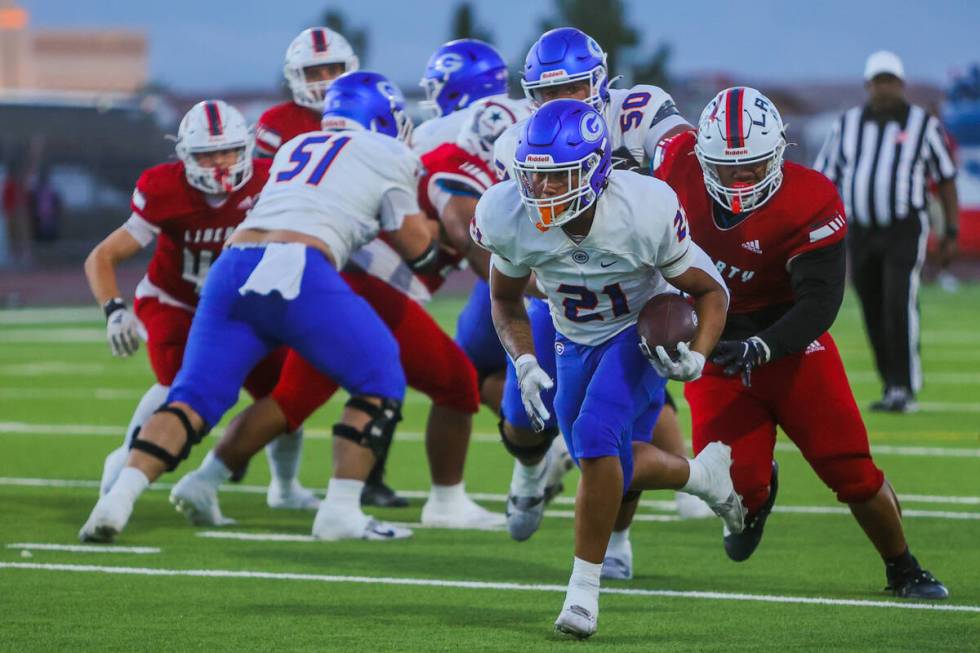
column 591, row 127
column 448, row 63
column 387, row 89
column 594, row 47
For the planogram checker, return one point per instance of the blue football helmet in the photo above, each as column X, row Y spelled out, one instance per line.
column 461, row 72
column 563, row 56
column 369, row 100
column 567, row 138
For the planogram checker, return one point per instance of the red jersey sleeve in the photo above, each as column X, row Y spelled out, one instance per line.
column 160, row 194
column 825, row 224
column 669, row 152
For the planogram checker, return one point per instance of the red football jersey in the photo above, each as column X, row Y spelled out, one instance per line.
column 190, row 231
column 754, row 255
column 450, row 169
column 283, row 123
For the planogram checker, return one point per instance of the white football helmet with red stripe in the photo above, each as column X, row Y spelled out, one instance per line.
column 489, row 118
column 315, row 46
column 741, row 126
column 215, row 126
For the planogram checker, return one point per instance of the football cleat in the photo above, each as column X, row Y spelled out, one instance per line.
column 896, row 400
column 617, row 567
column 561, row 463
column 330, row 527
column 691, row 507
column 197, row 500
column 463, row 514
column 524, row 515
column 721, row 495
column 381, row 496
column 916, row 583
column 740, row 546
column 576, row 621
column 294, row 497
column 108, row 519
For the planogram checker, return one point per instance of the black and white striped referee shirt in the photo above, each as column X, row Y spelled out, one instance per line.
column 880, row 165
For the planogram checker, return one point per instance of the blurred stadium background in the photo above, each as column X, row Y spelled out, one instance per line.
column 88, row 94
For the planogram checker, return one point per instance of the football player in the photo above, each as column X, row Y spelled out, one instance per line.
column 433, row 363
column 601, row 243
column 776, row 230
column 313, row 60
column 278, row 283
column 567, row 63
column 458, row 74
column 190, row 207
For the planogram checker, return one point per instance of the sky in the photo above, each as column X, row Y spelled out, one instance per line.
column 239, row 44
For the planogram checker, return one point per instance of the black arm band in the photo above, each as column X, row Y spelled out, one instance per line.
column 113, row 305
column 425, row 259
column 951, row 232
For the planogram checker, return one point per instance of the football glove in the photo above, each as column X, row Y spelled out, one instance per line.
column 122, row 329
column 741, row 357
column 533, row 381
column 686, row 368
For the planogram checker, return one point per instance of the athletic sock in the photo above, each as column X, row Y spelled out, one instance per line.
column 213, row 471
column 344, row 495
column 448, row 494
column 527, row 480
column 583, row 586
column 284, row 457
column 901, row 564
column 130, row 484
column 697, row 479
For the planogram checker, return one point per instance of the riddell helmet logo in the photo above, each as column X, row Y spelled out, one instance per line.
column 553, row 74
column 538, row 158
column 736, row 151
column 334, row 123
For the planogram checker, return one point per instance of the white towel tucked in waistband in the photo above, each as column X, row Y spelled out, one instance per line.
column 280, row 270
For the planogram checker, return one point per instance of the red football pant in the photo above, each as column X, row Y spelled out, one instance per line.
column 433, row 363
column 167, row 328
column 808, row 395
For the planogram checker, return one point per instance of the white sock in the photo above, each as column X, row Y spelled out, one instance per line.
column 583, row 586
column 213, row 471
column 528, row 479
column 131, row 483
column 284, row 455
column 619, row 544
column 344, row 494
column 448, row 493
column 697, row 480
column 152, row 399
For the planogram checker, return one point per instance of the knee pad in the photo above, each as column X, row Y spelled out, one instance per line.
column 380, row 429
column 158, row 452
column 522, row 452
column 854, row 480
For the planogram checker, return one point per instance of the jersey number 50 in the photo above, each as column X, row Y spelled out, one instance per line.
column 303, row 153
column 632, row 115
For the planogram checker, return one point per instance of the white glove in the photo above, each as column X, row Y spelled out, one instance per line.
column 122, row 332
column 533, row 381
column 687, row 367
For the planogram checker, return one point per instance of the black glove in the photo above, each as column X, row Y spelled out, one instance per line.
column 740, row 356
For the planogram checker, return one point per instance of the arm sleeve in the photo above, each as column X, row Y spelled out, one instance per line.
column 396, row 203
column 828, row 160
column 143, row 231
column 942, row 167
column 817, row 277
column 666, row 118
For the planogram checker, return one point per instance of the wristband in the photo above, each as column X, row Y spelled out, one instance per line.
column 426, row 258
column 113, row 305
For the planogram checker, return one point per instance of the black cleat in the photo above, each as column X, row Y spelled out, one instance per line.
column 896, row 400
column 916, row 583
column 381, row 496
column 740, row 546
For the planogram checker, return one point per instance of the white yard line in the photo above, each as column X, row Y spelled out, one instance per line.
column 52, row 336
column 482, row 585
column 83, row 548
column 30, row 428
column 657, row 505
column 48, row 315
column 938, row 378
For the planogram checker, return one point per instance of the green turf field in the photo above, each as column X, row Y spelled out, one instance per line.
column 814, row 584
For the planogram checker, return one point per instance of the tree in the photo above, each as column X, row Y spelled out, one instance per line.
column 356, row 36
column 654, row 70
column 464, row 26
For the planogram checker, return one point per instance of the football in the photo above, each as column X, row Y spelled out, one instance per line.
column 666, row 320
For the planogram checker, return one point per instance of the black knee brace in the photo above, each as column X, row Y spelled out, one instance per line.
column 169, row 459
column 528, row 451
column 378, row 432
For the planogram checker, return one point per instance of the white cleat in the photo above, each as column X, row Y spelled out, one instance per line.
column 355, row 525
column 113, row 464
column 108, row 519
column 576, row 621
column 198, row 501
column 561, row 463
column 463, row 514
column 691, row 507
column 721, row 495
column 294, row 497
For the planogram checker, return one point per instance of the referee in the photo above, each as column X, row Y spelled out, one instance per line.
column 880, row 156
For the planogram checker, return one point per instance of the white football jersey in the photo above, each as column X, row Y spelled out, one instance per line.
column 442, row 129
column 341, row 187
column 637, row 118
column 597, row 287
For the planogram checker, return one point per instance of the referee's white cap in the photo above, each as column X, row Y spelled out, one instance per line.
column 883, row 62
